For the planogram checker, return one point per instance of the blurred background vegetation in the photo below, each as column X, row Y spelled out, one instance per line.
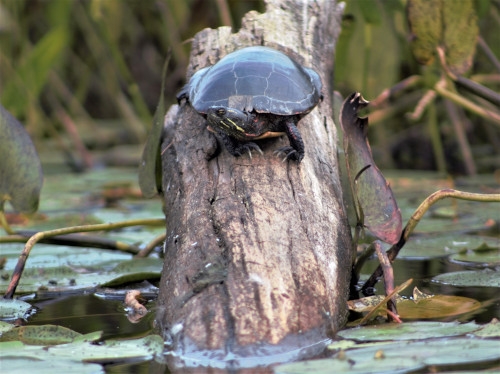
column 84, row 77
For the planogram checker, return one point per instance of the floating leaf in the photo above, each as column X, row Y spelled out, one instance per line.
column 341, row 365
column 470, row 278
column 80, row 274
column 69, row 358
column 41, row 335
column 437, row 306
column 5, row 326
column 400, row 357
column 408, row 331
column 441, row 245
column 451, row 25
column 422, row 306
column 13, row 308
column 81, row 259
column 378, row 206
column 490, row 330
column 18, row 365
column 20, row 170
column 481, row 257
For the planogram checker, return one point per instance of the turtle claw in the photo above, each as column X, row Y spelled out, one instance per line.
column 290, row 153
column 247, row 147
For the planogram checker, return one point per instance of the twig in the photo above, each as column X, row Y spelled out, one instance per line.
column 151, row 245
column 489, row 115
column 488, row 52
column 74, row 240
column 385, row 263
column 479, row 90
column 389, row 93
column 4, row 223
column 423, row 103
column 386, row 299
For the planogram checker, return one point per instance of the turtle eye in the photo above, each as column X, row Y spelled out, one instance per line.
column 221, row 111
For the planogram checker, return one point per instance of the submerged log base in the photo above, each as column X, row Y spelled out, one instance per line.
column 257, row 256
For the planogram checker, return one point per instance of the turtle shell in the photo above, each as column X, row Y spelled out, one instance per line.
column 255, row 78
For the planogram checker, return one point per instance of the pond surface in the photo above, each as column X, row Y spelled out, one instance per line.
column 86, row 303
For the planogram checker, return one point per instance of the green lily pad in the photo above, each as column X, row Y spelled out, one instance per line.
column 401, row 357
column 408, row 331
column 490, row 330
column 329, row 366
column 444, row 244
column 13, row 308
column 51, row 256
column 18, row 365
column 41, row 335
column 5, row 326
column 78, row 278
column 145, row 348
column 481, row 257
column 72, row 355
column 470, row 278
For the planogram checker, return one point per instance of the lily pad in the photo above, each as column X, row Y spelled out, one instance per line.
column 481, row 257
column 5, row 326
column 328, row 366
column 425, row 307
column 412, row 355
column 408, row 331
column 52, row 256
column 438, row 306
column 470, row 278
column 432, row 246
column 490, row 330
column 16, row 354
column 78, row 278
column 13, row 308
column 18, row 365
column 41, row 335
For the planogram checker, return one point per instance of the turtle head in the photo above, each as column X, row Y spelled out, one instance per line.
column 233, row 122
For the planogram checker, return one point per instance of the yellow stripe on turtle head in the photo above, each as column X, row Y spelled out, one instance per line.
column 234, row 125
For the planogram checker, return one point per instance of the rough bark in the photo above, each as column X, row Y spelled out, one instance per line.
column 257, row 256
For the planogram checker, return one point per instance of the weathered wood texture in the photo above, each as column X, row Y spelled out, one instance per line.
column 258, row 251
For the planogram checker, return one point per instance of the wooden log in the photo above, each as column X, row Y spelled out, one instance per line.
column 258, row 251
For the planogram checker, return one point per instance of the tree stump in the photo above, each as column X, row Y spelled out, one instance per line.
column 258, row 251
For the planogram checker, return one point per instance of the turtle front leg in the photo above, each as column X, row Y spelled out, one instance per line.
column 294, row 151
column 237, row 148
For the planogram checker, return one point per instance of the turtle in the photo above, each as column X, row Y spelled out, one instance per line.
column 254, row 93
